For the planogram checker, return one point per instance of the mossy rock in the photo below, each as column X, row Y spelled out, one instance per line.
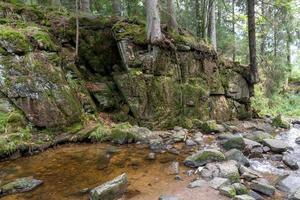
column 209, row 126
column 101, row 134
column 278, row 121
column 233, row 142
column 228, row 191
column 121, row 134
column 203, row 157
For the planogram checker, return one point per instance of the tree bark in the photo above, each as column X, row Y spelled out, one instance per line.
column 77, row 29
column 204, row 19
column 85, row 6
column 198, row 18
column 252, row 42
column 212, row 35
column 154, row 34
column 116, row 6
column 172, row 22
column 233, row 31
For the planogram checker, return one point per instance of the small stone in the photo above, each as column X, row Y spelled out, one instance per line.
column 263, row 188
column 197, row 183
column 190, row 172
column 289, row 161
column 168, row 197
column 20, row 185
column 240, row 188
column 178, row 178
column 173, row 169
column 251, row 144
column 237, row 155
column 255, row 195
column 218, row 182
column 277, row 146
column 190, row 142
column 151, row 156
column 276, row 157
column 266, row 149
column 227, row 191
column 244, row 197
column 256, row 152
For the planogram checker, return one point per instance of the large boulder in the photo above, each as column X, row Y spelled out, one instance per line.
column 277, row 146
column 111, row 190
column 237, row 155
column 233, row 142
column 203, row 157
column 263, row 187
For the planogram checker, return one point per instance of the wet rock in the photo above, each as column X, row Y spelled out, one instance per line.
column 218, row 182
column 237, row 155
column 277, row 146
column 255, row 195
column 110, row 190
column 168, row 197
column 173, row 169
column 151, row 156
column 240, row 188
column 156, row 144
column 233, row 142
column 256, row 152
column 20, row 185
column 280, row 122
column 227, row 191
column 227, row 169
column 203, row 157
column 190, row 142
column 251, row 143
column 198, row 138
column 296, row 195
column 262, row 187
column 244, row 197
column 290, row 162
column 276, row 157
column 289, row 183
column 297, row 140
column 248, row 173
column 258, row 136
column 197, row 183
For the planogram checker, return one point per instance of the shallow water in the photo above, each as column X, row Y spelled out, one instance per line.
column 68, row 170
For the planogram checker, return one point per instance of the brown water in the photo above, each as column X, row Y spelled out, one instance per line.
column 68, row 170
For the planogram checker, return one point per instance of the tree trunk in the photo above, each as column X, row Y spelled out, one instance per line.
column 252, row 42
column 204, row 19
column 116, row 6
column 233, row 31
column 77, row 28
column 172, row 22
column 85, row 6
column 198, row 18
column 154, row 34
column 263, row 37
column 212, row 35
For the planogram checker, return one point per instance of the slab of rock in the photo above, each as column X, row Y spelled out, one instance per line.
column 289, row 161
column 289, row 184
column 110, row 190
column 233, row 142
column 244, row 197
column 262, row 187
column 197, row 183
column 240, row 188
column 296, row 195
column 20, row 185
column 251, row 143
column 255, row 195
column 203, row 157
column 258, row 136
column 168, row 197
column 218, row 182
column 198, row 138
column 277, row 146
column 227, row 191
column 237, row 155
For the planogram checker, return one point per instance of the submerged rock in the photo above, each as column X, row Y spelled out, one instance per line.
column 203, row 157
column 20, row 185
column 277, row 146
column 111, row 190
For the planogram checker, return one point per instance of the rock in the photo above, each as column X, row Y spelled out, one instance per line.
column 280, row 122
column 179, row 135
column 248, row 173
column 178, row 178
column 237, row 155
column 156, row 144
column 276, row 157
column 266, row 149
column 251, row 143
column 238, row 88
column 20, row 185
column 289, row 183
column 240, row 188
column 258, row 136
column 233, row 142
column 190, row 142
column 209, row 126
column 227, row 169
column 173, row 169
column 297, row 140
column 256, row 152
column 218, row 182
column 151, row 156
column 111, row 190
column 277, row 146
column 197, row 183
column 296, row 195
column 255, row 195
column 203, row 157
column 290, row 162
column 168, row 197
column 227, row 191
column 263, row 188
column 244, row 197
column 198, row 138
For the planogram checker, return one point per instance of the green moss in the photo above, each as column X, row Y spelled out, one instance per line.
column 44, row 41
column 280, row 122
column 13, row 40
column 133, row 31
column 120, row 134
column 209, row 126
column 74, row 128
column 101, row 134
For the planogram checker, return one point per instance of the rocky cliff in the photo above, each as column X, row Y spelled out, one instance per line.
column 177, row 82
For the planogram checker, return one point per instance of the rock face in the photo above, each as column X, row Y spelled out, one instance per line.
column 20, row 185
column 203, row 157
column 111, row 190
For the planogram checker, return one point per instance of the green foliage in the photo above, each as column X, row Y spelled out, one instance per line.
column 101, row 134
